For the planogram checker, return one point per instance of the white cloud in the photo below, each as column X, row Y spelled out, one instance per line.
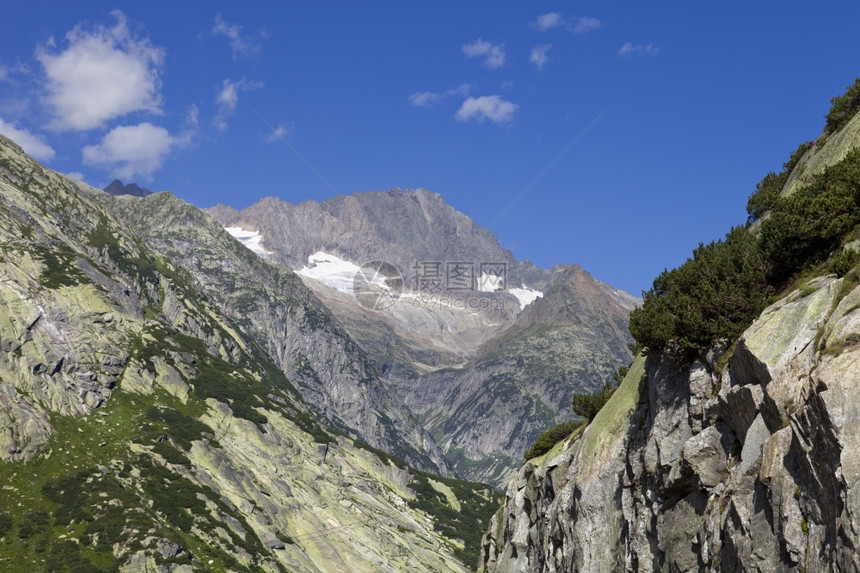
column 424, row 99
column 491, row 107
column 548, row 21
column 101, row 75
column 130, row 150
column 33, row 145
column 278, row 133
column 575, row 24
column 630, row 49
column 243, row 46
column 493, row 54
column 429, row 99
column 192, row 118
column 76, row 175
column 538, row 55
column 228, row 100
column 584, row 24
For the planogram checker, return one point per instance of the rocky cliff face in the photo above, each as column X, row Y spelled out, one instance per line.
column 145, row 425
column 745, row 461
column 751, row 467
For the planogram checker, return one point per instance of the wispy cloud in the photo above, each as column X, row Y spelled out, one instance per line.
column 243, row 45
column 491, row 107
column 575, row 24
column 548, row 21
column 493, row 54
column 6, row 72
column 424, row 99
column 583, row 24
column 630, row 49
column 278, row 133
column 429, row 99
column 102, row 74
column 133, row 150
column 192, row 118
column 538, row 56
column 32, row 144
column 228, row 100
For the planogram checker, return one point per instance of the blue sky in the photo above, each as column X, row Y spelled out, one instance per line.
column 616, row 135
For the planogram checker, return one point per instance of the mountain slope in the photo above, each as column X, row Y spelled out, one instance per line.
column 141, row 429
column 417, row 233
column 521, row 383
column 272, row 305
column 483, row 374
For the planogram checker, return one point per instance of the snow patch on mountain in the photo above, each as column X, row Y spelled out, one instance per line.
column 250, row 239
column 491, row 283
column 525, row 295
column 331, row 271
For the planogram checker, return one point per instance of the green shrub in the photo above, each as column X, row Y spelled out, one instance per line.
column 181, row 428
column 477, row 505
column 765, row 196
column 806, row 226
column 713, row 296
column 844, row 262
column 807, row 290
column 768, row 190
column 588, row 405
column 843, row 108
column 5, row 524
column 170, row 454
column 70, row 493
column 718, row 292
column 550, row 438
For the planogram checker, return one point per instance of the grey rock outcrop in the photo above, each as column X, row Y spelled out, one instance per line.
column 766, row 481
column 116, row 187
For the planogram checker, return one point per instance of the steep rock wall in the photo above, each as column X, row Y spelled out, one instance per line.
column 749, row 466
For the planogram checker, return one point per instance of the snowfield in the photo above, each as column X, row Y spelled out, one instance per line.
column 331, row 271
column 250, row 239
column 525, row 295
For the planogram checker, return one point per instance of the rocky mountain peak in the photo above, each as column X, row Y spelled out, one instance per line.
column 397, row 226
column 116, row 187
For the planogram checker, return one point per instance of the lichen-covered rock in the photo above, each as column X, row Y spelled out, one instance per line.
column 830, row 151
column 707, row 453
